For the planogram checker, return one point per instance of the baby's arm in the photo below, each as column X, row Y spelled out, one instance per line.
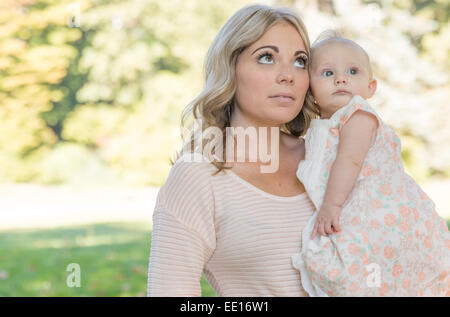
column 356, row 137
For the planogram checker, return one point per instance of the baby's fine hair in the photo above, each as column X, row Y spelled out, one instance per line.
column 334, row 36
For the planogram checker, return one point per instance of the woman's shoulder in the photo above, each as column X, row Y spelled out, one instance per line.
column 191, row 165
column 188, row 171
column 188, row 186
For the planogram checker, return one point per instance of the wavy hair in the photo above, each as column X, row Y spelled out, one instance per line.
column 214, row 105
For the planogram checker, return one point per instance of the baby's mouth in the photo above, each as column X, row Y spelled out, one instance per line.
column 341, row 92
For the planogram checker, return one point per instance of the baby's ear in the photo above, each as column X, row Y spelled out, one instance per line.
column 372, row 87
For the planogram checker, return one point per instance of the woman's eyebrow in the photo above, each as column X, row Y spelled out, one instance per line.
column 277, row 50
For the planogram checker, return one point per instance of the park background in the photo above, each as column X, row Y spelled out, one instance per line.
column 91, row 95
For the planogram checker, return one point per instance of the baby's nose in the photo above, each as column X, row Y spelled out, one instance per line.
column 340, row 80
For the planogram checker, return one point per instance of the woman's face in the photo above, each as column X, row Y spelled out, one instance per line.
column 276, row 64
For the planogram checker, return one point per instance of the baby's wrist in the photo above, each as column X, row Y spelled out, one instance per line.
column 332, row 204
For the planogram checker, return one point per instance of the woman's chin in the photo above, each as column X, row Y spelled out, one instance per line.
column 283, row 116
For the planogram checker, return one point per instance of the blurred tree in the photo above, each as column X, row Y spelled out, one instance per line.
column 101, row 84
column 35, row 53
column 144, row 64
column 408, row 43
column 433, row 41
column 106, row 76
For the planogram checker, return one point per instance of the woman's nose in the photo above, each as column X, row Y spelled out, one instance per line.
column 285, row 76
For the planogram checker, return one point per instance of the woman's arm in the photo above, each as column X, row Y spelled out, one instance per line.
column 356, row 137
column 177, row 258
column 183, row 234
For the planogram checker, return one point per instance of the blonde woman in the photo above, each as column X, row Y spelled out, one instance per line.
column 223, row 216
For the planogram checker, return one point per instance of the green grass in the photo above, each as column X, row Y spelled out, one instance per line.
column 113, row 259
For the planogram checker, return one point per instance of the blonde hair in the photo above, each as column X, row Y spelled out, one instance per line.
column 215, row 103
column 335, row 36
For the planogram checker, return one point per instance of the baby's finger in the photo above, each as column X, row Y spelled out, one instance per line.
column 314, row 231
column 321, row 229
column 328, row 228
column 336, row 225
column 313, row 234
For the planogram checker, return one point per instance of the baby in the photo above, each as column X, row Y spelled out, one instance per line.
column 376, row 233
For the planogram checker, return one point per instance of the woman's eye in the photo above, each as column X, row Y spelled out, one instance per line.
column 303, row 61
column 269, row 58
column 327, row 73
column 352, row 71
column 265, row 55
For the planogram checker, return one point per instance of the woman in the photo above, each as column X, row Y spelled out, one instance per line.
column 228, row 219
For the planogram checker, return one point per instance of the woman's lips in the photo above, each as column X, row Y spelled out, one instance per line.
column 282, row 98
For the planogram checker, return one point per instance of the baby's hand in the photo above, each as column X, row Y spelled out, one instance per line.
column 327, row 220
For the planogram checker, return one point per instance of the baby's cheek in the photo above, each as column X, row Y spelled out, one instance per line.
column 315, row 87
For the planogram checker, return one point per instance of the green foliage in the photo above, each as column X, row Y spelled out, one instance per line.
column 35, row 52
column 110, row 76
column 142, row 71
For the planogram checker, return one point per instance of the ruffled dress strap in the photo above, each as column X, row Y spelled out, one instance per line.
column 341, row 116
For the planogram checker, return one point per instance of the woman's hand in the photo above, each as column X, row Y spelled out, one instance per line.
column 327, row 220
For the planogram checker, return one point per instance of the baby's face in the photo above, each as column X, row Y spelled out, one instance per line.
column 339, row 72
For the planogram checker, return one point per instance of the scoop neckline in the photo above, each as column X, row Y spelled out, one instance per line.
column 264, row 193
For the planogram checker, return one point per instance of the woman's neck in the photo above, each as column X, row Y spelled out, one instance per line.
column 252, row 142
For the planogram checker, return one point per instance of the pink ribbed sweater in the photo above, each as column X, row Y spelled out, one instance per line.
column 238, row 235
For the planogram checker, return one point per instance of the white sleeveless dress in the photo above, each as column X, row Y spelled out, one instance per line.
column 392, row 242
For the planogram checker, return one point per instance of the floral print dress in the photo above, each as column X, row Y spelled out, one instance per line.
column 392, row 242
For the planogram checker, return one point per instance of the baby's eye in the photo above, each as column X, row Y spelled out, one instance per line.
column 352, row 71
column 327, row 73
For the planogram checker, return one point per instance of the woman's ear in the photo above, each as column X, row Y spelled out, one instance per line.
column 372, row 87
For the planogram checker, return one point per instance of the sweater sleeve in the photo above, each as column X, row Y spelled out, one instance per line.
column 183, row 235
